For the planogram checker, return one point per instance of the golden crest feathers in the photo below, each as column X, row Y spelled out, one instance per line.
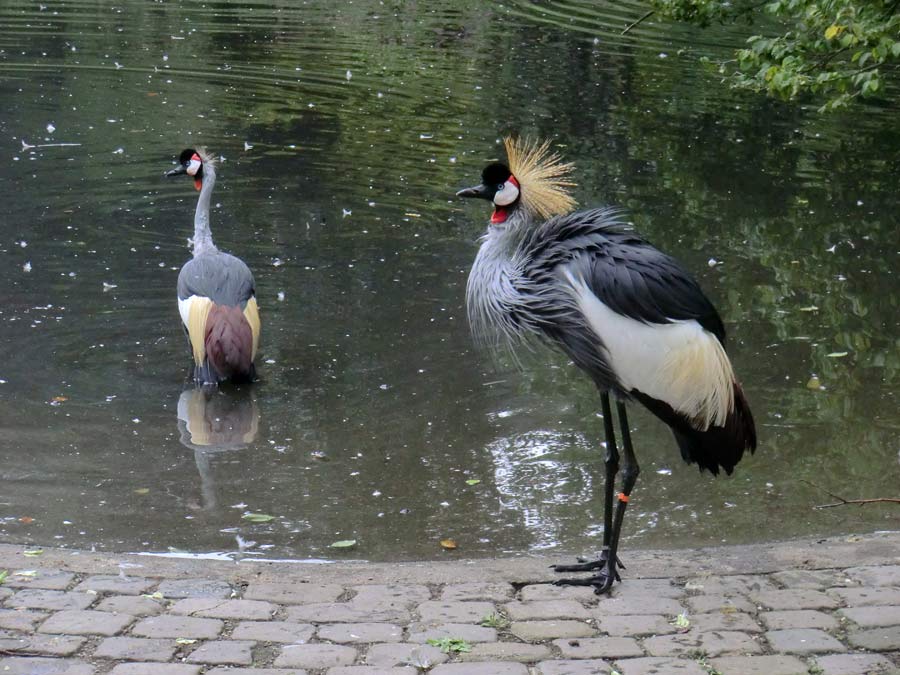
column 206, row 156
column 542, row 176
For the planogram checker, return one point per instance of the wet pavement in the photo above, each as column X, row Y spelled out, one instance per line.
column 826, row 606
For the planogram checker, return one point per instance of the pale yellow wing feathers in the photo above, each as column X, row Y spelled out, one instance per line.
column 196, row 326
column 251, row 312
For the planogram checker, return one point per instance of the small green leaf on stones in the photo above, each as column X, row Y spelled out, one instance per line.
column 258, row 517
column 33, row 553
column 450, row 645
column 344, row 543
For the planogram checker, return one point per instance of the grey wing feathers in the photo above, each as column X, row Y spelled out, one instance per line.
column 622, row 269
column 221, row 277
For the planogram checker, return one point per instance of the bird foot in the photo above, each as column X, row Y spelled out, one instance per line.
column 602, row 581
column 585, row 565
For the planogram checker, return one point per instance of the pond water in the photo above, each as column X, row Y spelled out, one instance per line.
column 344, row 131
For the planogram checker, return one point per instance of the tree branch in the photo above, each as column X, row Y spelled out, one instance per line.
column 637, row 22
column 842, row 502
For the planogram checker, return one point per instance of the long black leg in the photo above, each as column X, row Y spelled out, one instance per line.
column 630, row 472
column 607, row 560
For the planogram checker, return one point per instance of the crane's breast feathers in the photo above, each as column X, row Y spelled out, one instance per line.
column 677, row 361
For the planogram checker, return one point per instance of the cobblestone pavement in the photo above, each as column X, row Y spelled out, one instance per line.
column 827, row 606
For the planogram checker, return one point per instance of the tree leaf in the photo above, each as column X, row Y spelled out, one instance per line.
column 448, row 544
column 473, row 481
column 344, row 543
column 258, row 517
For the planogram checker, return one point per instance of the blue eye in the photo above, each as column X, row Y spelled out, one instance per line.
column 501, row 186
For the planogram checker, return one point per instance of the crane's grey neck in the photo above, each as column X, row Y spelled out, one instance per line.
column 491, row 291
column 202, row 240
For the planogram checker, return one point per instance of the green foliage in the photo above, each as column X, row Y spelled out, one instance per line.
column 450, row 645
column 839, row 49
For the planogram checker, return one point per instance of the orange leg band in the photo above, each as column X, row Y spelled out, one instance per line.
column 623, row 497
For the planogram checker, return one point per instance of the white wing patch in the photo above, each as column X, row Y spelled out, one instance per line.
column 679, row 363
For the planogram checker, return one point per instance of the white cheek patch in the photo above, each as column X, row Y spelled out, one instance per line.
column 193, row 167
column 507, row 195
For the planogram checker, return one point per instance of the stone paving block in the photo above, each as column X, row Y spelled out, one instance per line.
column 724, row 621
column 719, row 642
column 491, row 592
column 803, row 641
column 464, row 631
column 315, row 656
column 506, row 651
column 876, row 575
column 856, row 664
column 791, row 599
column 638, row 604
column 371, row 670
column 489, row 668
column 404, row 595
column 42, row 645
column 135, row 649
column 867, row 595
column 537, row 631
column 155, row 669
column 716, row 602
column 130, row 604
column 293, row 594
column 223, row 652
column 547, row 609
column 440, row 611
column 869, row 617
column 36, row 598
column 672, row 645
column 798, row 618
column 112, row 583
column 86, row 622
column 635, row 625
column 55, row 580
column 26, row 665
column 256, row 671
column 574, row 667
column 20, row 619
column 360, row 632
column 877, row 639
column 404, row 654
column 4, row 593
column 599, row 648
column 662, row 588
column 346, row 612
column 541, row 592
column 166, row 626
column 195, row 588
column 274, row 631
column 658, row 665
column 817, row 580
column 759, row 665
column 735, row 584
column 211, row 608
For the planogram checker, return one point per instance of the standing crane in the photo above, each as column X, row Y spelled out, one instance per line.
column 216, row 292
column 625, row 313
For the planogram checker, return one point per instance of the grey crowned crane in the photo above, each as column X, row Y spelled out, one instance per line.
column 216, row 292
column 625, row 313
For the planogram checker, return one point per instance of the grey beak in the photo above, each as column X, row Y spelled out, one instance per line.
column 478, row 191
column 177, row 172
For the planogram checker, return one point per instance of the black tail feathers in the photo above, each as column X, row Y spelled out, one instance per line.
column 716, row 447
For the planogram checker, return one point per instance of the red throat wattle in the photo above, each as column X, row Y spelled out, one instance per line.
column 198, row 184
column 499, row 215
